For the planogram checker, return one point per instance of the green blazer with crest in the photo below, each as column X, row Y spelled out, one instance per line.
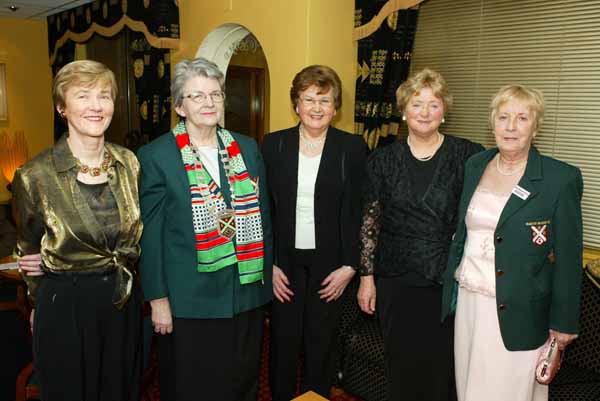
column 168, row 264
column 538, row 250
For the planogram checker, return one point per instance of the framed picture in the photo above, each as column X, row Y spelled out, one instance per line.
column 3, row 95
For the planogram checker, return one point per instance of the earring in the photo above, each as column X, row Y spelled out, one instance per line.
column 443, row 120
column 403, row 118
column 62, row 113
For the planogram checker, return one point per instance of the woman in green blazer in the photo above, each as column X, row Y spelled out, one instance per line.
column 514, row 268
column 205, row 246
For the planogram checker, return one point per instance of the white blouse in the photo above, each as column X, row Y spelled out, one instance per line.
column 210, row 160
column 308, row 167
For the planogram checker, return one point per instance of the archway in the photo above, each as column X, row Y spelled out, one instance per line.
column 247, row 78
column 220, row 44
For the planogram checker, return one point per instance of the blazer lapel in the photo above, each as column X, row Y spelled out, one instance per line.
column 472, row 178
column 533, row 172
column 290, row 157
column 328, row 164
column 174, row 167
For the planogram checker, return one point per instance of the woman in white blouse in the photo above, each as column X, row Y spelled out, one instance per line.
column 315, row 173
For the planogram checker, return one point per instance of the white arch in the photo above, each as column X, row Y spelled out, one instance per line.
column 219, row 45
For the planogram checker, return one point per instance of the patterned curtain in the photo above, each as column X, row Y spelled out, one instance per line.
column 152, row 74
column 383, row 64
column 154, row 29
column 158, row 20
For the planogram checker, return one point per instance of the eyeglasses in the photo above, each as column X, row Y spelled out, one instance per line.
column 200, row 97
column 310, row 102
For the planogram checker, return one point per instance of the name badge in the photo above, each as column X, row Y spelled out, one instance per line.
column 521, row 192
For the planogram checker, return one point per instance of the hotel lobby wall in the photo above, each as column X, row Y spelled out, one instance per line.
column 293, row 34
column 24, row 49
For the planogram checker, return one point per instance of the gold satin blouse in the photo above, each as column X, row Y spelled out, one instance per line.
column 54, row 219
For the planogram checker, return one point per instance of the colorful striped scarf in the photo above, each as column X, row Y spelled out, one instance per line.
column 216, row 251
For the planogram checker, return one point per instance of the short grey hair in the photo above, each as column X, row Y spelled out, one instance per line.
column 188, row 69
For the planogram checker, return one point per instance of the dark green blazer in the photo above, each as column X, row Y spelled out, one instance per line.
column 538, row 285
column 168, row 263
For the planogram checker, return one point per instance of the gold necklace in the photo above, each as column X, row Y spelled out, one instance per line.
column 426, row 158
column 96, row 171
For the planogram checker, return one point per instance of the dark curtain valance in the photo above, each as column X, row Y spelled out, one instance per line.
column 157, row 20
column 151, row 29
column 383, row 64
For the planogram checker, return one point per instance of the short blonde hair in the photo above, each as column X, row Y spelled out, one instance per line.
column 86, row 73
column 426, row 78
column 531, row 97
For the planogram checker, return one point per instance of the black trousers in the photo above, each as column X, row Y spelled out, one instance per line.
column 307, row 324
column 85, row 349
column 212, row 359
column 418, row 348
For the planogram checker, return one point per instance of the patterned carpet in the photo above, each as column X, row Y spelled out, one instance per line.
column 151, row 390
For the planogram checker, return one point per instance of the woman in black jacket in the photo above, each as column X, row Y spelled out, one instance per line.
column 411, row 196
column 315, row 173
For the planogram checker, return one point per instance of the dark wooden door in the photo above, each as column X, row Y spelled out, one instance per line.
column 245, row 101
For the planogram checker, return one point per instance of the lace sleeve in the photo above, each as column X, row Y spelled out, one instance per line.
column 369, row 233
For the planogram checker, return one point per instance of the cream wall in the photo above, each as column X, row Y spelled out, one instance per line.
column 292, row 33
column 330, row 27
column 24, row 49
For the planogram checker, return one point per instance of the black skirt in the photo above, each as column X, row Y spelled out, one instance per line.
column 418, row 348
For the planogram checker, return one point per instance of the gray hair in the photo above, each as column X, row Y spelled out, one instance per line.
column 188, row 69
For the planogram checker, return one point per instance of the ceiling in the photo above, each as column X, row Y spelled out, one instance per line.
column 37, row 9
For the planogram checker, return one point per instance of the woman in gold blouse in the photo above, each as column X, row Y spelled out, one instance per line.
column 77, row 206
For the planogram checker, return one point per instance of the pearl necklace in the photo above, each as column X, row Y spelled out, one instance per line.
column 509, row 173
column 426, row 158
column 311, row 144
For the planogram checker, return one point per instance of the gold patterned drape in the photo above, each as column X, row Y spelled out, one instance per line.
column 154, row 30
column 383, row 64
column 152, row 75
column 157, row 20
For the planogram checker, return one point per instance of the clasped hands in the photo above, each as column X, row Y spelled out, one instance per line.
column 332, row 287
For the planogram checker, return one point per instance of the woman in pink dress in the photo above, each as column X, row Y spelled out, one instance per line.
column 514, row 269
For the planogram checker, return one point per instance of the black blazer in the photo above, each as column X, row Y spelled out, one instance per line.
column 337, row 196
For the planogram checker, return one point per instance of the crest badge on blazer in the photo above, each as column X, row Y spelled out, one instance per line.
column 539, row 234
